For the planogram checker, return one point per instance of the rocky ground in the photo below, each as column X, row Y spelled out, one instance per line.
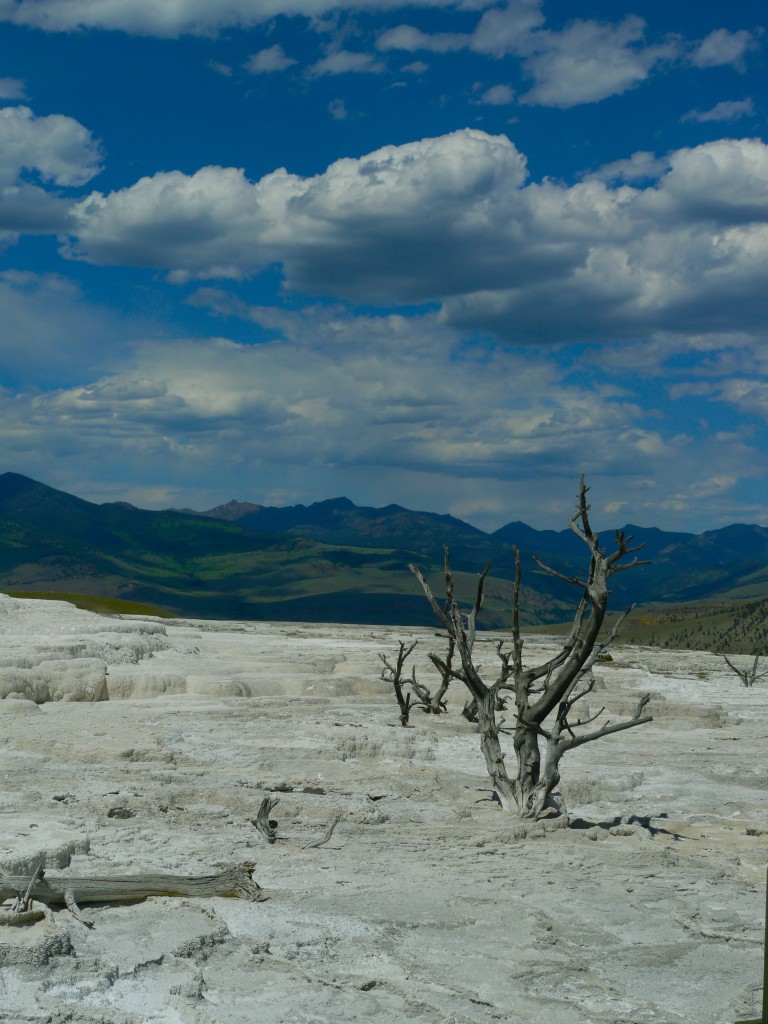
column 147, row 746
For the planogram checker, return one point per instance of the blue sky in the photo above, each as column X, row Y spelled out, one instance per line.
column 448, row 255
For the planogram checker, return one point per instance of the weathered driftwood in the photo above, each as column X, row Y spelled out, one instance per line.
column 324, row 837
column 262, row 822
column 235, row 882
column 20, row 912
column 21, row 904
column 18, row 917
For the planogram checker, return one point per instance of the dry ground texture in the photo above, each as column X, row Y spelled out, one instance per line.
column 155, row 742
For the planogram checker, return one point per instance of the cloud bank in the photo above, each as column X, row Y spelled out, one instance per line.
column 412, row 413
column 172, row 18
column 456, row 220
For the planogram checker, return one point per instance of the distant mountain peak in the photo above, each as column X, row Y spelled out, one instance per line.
column 334, row 503
column 232, row 510
column 11, row 483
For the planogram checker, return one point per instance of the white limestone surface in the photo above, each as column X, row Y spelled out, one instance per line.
column 429, row 903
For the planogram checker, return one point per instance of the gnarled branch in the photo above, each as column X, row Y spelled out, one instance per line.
column 637, row 719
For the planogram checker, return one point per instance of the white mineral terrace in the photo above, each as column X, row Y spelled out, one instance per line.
column 141, row 747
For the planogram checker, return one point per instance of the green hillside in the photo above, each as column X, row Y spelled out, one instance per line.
column 336, row 562
column 728, row 627
column 194, row 565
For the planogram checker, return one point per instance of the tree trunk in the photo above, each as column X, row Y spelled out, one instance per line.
column 536, row 780
column 491, row 748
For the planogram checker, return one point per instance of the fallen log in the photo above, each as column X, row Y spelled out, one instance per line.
column 235, row 882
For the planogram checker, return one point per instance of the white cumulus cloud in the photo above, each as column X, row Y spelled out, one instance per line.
column 498, row 95
column 406, row 37
column 418, row 201
column 274, row 58
column 725, row 180
column 343, row 62
column 585, row 62
column 209, row 223
column 416, row 67
column 642, row 165
column 58, row 148
column 456, row 220
column 500, row 30
column 726, row 110
column 724, row 47
column 589, row 61
column 508, row 29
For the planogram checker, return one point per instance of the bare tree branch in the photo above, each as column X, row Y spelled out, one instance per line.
column 559, row 575
column 637, row 719
column 472, row 618
column 435, row 704
column 441, row 615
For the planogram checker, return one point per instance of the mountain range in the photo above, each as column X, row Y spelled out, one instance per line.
column 334, row 561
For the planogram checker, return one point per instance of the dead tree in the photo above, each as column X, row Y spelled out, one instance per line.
column 748, row 676
column 546, row 725
column 425, row 700
column 394, row 674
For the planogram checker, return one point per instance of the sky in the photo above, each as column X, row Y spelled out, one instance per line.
column 448, row 255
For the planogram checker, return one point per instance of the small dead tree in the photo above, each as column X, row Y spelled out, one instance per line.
column 425, row 700
column 750, row 675
column 545, row 695
column 394, row 674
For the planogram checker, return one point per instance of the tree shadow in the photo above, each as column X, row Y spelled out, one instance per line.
column 644, row 820
column 490, row 797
